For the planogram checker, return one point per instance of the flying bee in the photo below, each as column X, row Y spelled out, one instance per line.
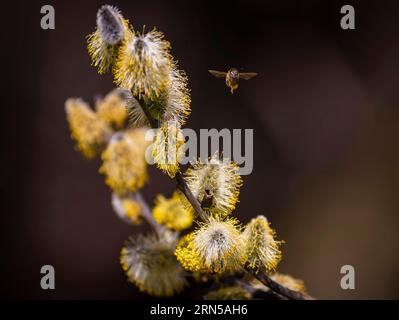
column 232, row 77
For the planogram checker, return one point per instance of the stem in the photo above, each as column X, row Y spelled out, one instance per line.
column 146, row 213
column 181, row 183
column 258, row 293
column 153, row 122
column 183, row 187
column 138, row 197
column 278, row 288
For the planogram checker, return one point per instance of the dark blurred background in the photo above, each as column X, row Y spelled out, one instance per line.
column 325, row 115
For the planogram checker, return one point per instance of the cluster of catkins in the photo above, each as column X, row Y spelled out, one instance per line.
column 152, row 92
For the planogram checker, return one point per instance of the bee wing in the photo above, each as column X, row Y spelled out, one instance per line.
column 248, row 75
column 217, row 74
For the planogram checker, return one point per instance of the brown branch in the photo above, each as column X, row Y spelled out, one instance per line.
column 278, row 289
column 181, row 183
column 255, row 293
column 145, row 212
column 153, row 122
column 183, row 187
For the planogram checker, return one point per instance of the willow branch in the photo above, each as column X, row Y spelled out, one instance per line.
column 183, row 187
column 181, row 183
column 278, row 289
column 153, row 122
column 145, row 212
column 254, row 292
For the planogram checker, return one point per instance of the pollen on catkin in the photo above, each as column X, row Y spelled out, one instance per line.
column 112, row 109
column 124, row 164
column 143, row 64
column 168, row 148
column 228, row 293
column 87, row 129
column 127, row 209
column 216, row 185
column 219, row 245
column 136, row 114
column 187, row 256
column 103, row 44
column 263, row 250
column 173, row 103
column 171, row 213
column 150, row 264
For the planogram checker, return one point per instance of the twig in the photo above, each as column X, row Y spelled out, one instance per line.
column 183, row 187
column 143, row 104
column 145, row 212
column 278, row 288
column 255, row 293
column 267, row 295
column 181, row 183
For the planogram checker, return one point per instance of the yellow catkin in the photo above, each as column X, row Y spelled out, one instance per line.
column 263, row 250
column 187, row 256
column 216, row 185
column 132, row 210
column 171, row 213
column 168, row 148
column 87, row 129
column 150, row 264
column 103, row 47
column 124, row 164
column 219, row 245
column 144, row 64
column 173, row 103
column 112, row 109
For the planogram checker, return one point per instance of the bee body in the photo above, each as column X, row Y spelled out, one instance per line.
column 232, row 77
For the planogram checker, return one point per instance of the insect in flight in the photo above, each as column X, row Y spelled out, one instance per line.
column 233, row 77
